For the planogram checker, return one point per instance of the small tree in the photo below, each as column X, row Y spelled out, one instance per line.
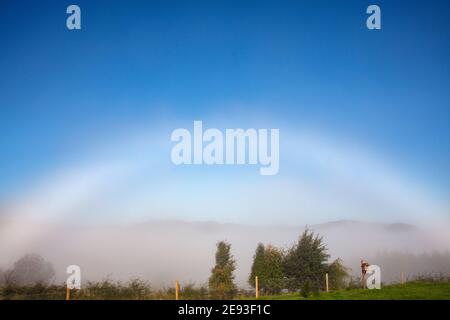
column 221, row 281
column 338, row 274
column 258, row 266
column 274, row 275
column 268, row 266
column 306, row 263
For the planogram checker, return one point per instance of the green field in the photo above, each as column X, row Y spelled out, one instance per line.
column 415, row 290
column 418, row 290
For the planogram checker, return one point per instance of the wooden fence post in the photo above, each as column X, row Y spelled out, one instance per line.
column 402, row 277
column 256, row 287
column 177, row 290
column 326, row 282
column 67, row 293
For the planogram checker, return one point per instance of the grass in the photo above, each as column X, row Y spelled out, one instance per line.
column 138, row 290
column 417, row 290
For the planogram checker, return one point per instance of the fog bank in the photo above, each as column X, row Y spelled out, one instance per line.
column 162, row 251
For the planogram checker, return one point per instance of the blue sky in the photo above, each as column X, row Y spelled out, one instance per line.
column 143, row 68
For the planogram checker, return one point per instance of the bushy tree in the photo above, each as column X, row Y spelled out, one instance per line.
column 32, row 269
column 258, row 266
column 221, row 282
column 338, row 275
column 305, row 263
column 268, row 266
column 274, row 275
